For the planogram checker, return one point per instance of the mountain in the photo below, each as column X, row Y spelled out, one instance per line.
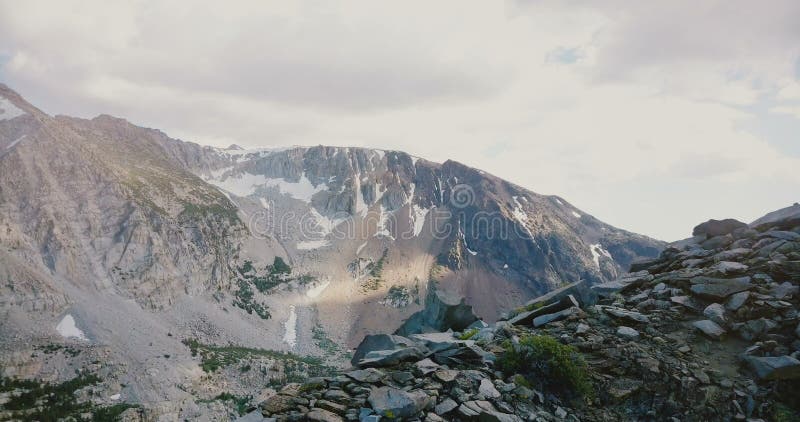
column 127, row 246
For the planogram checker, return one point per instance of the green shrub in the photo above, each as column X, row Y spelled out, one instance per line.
column 466, row 335
column 543, row 360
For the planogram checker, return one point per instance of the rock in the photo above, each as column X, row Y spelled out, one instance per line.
column 557, row 316
column 484, row 411
column 582, row 328
column 716, row 313
column 713, row 228
column 718, row 289
column 687, row 302
column 775, row 368
column 336, row 408
column 254, row 416
column 446, row 375
column 443, row 311
column 626, row 315
column 382, row 358
column 487, row 389
column 623, row 284
column 710, row 329
column 379, row 342
column 785, row 290
column 436, row 342
column 726, row 268
column 525, row 318
column 278, row 403
column 393, row 403
column 580, row 290
column 783, row 218
column 734, row 255
column 755, row 328
column 322, row 415
column 736, row 301
column 797, row 331
column 641, row 264
column 717, row 242
column 628, row 333
column 446, row 406
column 369, row 375
column 426, row 366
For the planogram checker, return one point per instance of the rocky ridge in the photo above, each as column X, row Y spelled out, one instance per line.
column 709, row 330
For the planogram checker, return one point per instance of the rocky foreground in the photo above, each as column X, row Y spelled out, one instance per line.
column 707, row 331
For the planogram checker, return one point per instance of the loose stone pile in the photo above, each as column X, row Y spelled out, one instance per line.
column 707, row 331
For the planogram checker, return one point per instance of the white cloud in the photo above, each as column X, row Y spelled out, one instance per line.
column 631, row 110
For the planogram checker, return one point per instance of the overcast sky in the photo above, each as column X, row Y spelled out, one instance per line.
column 650, row 117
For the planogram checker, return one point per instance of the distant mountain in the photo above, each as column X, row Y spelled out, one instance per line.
column 132, row 233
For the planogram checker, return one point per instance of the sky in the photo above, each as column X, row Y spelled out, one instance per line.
column 651, row 116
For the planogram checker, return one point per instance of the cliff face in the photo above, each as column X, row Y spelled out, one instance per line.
column 99, row 204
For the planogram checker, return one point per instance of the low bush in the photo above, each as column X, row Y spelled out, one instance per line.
column 544, row 361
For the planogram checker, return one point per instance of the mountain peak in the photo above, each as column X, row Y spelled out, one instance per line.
column 13, row 105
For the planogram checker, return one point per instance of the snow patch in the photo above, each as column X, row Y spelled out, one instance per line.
column 559, row 202
column 598, row 251
column 576, row 214
column 290, row 328
column 315, row 291
column 521, row 216
column 8, row 110
column 360, row 248
column 312, row 244
column 115, row 397
column 68, row 329
column 264, row 203
column 418, row 215
column 16, row 141
column 245, row 184
column 383, row 219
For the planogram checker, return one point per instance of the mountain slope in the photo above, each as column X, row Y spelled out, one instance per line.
column 143, row 241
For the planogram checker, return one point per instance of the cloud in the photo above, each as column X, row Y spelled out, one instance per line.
column 631, row 111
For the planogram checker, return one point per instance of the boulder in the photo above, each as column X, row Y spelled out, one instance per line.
column 783, row 218
column 443, row 311
column 755, row 329
column 322, row 415
column 579, row 289
column 717, row 242
column 687, row 302
column 382, row 358
column 626, row 315
column 775, row 368
column 726, row 268
column 710, row 329
column 525, row 318
column 375, row 342
column 628, row 333
column 393, row 403
column 622, row 284
column 718, row 289
column 716, row 313
column 784, row 290
column 254, row 416
column 426, row 366
column 736, row 301
column 556, row 316
column 487, row 389
column 446, row 406
column 484, row 411
column 369, row 375
column 437, row 342
column 713, row 228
